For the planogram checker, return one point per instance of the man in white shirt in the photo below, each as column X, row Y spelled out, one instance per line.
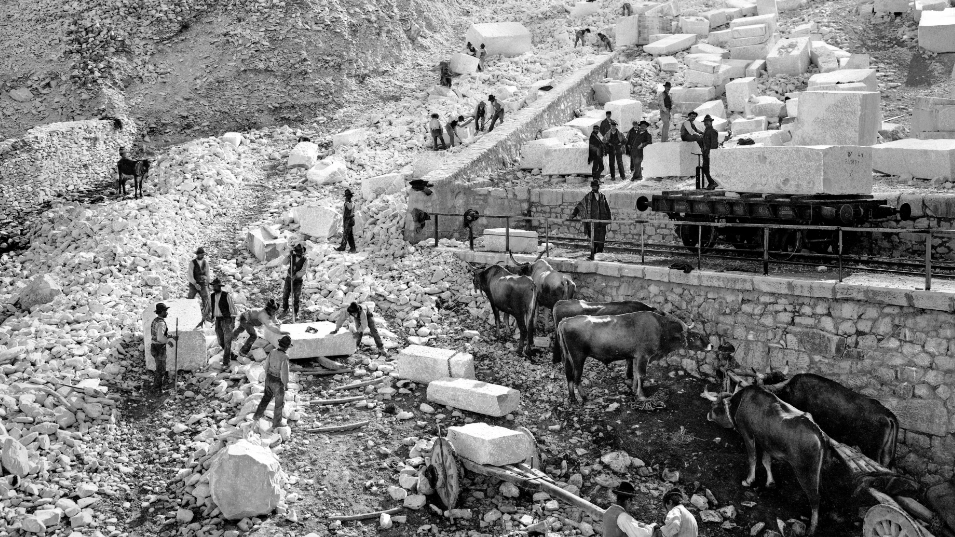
column 617, row 522
column 679, row 522
column 198, row 274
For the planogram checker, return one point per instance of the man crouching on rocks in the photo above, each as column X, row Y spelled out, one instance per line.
column 363, row 320
column 157, row 346
column 276, row 381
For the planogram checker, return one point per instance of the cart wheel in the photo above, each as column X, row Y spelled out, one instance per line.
column 887, row 521
column 785, row 243
column 690, row 236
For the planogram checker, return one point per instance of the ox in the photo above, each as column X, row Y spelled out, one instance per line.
column 641, row 336
column 847, row 416
column 510, row 294
column 572, row 308
column 780, row 431
column 552, row 285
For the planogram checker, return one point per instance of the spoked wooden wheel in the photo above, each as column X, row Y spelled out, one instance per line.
column 822, row 242
column 887, row 521
column 690, row 236
column 785, row 243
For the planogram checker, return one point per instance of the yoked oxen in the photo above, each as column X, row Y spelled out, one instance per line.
column 847, row 416
column 572, row 308
column 513, row 295
column 552, row 285
column 780, row 431
column 641, row 336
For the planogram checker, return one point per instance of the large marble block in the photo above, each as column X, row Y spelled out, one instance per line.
column 682, row 94
column 789, row 57
column 504, row 38
column 621, row 71
column 584, row 9
column 717, row 80
column 753, row 52
column 426, row 364
column 570, row 159
column 932, row 114
column 671, row 44
column 794, row 169
column 928, row 5
column 382, row 185
column 533, row 153
column 695, row 25
column 474, row 396
column 670, row 159
column 769, row 19
column 584, row 124
column 613, row 90
column 265, row 243
column 566, row 134
column 625, row 112
column 303, row 155
column 738, row 92
column 192, row 342
column 766, row 7
column 753, row 124
column 321, row 342
column 925, row 159
column 520, row 240
column 714, row 109
column 845, row 76
column 350, row 137
column 838, row 118
column 464, row 64
column 626, row 31
column 317, row 221
column 750, row 31
column 489, row 444
column 707, row 63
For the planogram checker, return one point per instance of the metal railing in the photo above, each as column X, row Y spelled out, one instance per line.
column 768, row 257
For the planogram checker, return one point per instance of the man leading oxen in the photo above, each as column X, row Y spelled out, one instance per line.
column 641, row 336
column 552, row 285
column 511, row 294
column 571, row 308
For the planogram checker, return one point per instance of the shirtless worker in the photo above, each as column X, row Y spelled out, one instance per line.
column 363, row 319
column 251, row 319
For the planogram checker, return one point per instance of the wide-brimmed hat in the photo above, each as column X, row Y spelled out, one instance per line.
column 625, row 488
column 707, row 118
column 595, row 183
column 285, row 342
column 200, row 250
column 644, row 123
column 217, row 281
column 299, row 247
column 161, row 307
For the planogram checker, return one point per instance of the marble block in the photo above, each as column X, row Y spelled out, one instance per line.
column 838, row 118
column 534, row 151
column 489, row 444
column 625, row 112
column 755, row 68
column 322, row 342
column 350, row 137
column 566, row 134
column 738, row 92
column 265, row 243
column 713, row 108
column 766, row 7
column 682, row 94
column 695, row 25
column 937, row 30
column 789, row 57
column 745, row 125
column 925, row 159
column 521, row 240
column 303, row 155
column 671, row 44
column 753, row 52
column 464, row 64
column 932, row 114
column 703, row 48
column 317, row 221
column 613, row 90
column 706, row 63
column 670, row 159
column 717, row 80
column 719, row 38
column 845, row 76
column 474, row 396
column 794, row 169
column 927, row 5
column 192, row 342
column 770, row 20
column 585, row 124
column 232, row 138
column 584, row 9
column 621, row 71
column 426, row 364
column 626, row 31
column 382, row 185
column 504, row 38
column 570, row 159
column 668, row 64
column 750, row 31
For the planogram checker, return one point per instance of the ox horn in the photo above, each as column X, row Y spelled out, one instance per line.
column 516, row 262
column 540, row 255
column 708, row 395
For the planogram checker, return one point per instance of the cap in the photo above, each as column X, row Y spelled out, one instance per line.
column 613, row 122
column 645, row 123
column 200, row 250
column 285, row 342
column 161, row 307
column 626, row 488
column 217, row 281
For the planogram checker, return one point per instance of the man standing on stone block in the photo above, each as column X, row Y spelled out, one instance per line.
column 594, row 206
column 223, row 318
column 296, row 267
column 595, row 153
column 666, row 105
column 363, row 320
column 710, row 140
column 614, row 142
column 251, row 319
column 276, row 381
column 199, row 275
column 348, row 224
column 497, row 112
column 434, row 127
column 159, row 339
column 637, row 139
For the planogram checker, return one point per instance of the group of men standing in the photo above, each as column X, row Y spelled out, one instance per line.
column 708, row 139
column 606, row 139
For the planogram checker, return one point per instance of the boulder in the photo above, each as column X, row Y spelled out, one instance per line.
column 192, row 341
column 382, row 185
column 246, row 481
column 474, row 396
column 426, row 364
column 925, row 159
column 42, row 289
column 21, row 95
column 265, row 243
column 15, row 458
column 303, row 155
column 489, row 444
column 232, row 138
column 312, row 340
column 464, row 64
column 504, row 38
column 794, row 170
column 317, row 221
column 349, row 137
column 327, row 171
column 838, row 118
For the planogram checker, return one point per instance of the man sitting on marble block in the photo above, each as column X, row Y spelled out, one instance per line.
column 363, row 320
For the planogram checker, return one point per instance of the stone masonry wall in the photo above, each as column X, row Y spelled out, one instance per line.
column 892, row 344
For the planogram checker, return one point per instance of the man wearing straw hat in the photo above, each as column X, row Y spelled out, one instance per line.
column 159, row 339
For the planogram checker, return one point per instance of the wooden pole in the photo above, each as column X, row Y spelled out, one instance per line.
column 365, row 516
column 175, row 373
column 338, row 428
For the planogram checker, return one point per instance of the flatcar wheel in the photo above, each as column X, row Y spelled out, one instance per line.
column 744, row 238
column 784, row 243
column 822, row 242
column 887, row 521
column 691, row 235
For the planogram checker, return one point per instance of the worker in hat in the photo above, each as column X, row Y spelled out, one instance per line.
column 296, row 267
column 679, row 521
column 637, row 138
column 666, row 106
column 710, row 141
column 594, row 206
column 159, row 339
column 497, row 112
column 348, row 224
column 199, row 275
column 595, row 153
column 614, row 144
column 276, row 381
column 250, row 320
column 363, row 319
column 617, row 522
column 688, row 130
column 223, row 319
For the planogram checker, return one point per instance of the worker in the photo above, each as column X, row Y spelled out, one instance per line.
column 482, row 56
column 626, row 10
column 637, row 139
column 614, row 143
column 199, row 275
column 666, row 105
column 497, row 112
column 710, row 141
column 688, row 130
column 434, row 127
column 617, row 522
column 595, row 153
column 296, row 268
column 461, row 128
column 159, row 339
column 276, row 381
column 445, row 68
column 363, row 320
column 605, row 124
column 580, row 36
column 606, row 41
column 223, row 319
column 679, row 522
column 251, row 319
column 594, row 206
column 348, row 224
column 470, row 50
column 450, row 129
column 480, row 112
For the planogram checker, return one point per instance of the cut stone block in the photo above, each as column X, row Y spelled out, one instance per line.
column 382, row 185
column 670, row 159
column 475, row 396
column 717, row 80
column 720, row 38
column 738, row 92
column 265, row 243
column 705, row 63
column 583, row 9
column 488, row 444
column 625, row 112
column 695, row 25
column 838, row 118
column 744, row 125
column 192, row 342
column 317, row 221
column 789, row 57
column 825, row 60
column 671, row 44
column 802, row 30
column 681, row 94
column 737, row 68
column 937, row 30
column 750, row 31
column 927, row 5
column 755, row 68
column 464, row 64
column 627, row 31
column 768, row 138
column 621, row 71
column 533, row 153
column 753, row 52
column 713, row 108
column 925, row 159
column 570, row 159
column 426, row 163
column 327, row 171
column 933, row 114
column 717, row 17
column 766, row 7
column 769, row 20
column 245, row 480
column 719, row 124
column 584, row 124
column 668, row 64
column 794, row 170
column 845, row 76
column 504, row 38
column 426, row 364
column 232, row 138
column 350, row 137
column 927, row 416
column 891, row 6
column 521, row 241
column 321, row 342
column 857, row 61
column 764, row 105
column 613, row 90
column 303, row 155
column 566, row 134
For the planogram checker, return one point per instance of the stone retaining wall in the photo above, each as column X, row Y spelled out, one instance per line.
column 893, row 344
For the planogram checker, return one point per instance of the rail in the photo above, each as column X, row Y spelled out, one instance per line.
column 768, row 257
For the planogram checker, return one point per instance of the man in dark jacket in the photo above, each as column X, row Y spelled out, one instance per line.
column 296, row 268
column 614, row 143
column 595, row 153
column 637, row 139
column 605, row 124
column 710, row 141
column 594, row 206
